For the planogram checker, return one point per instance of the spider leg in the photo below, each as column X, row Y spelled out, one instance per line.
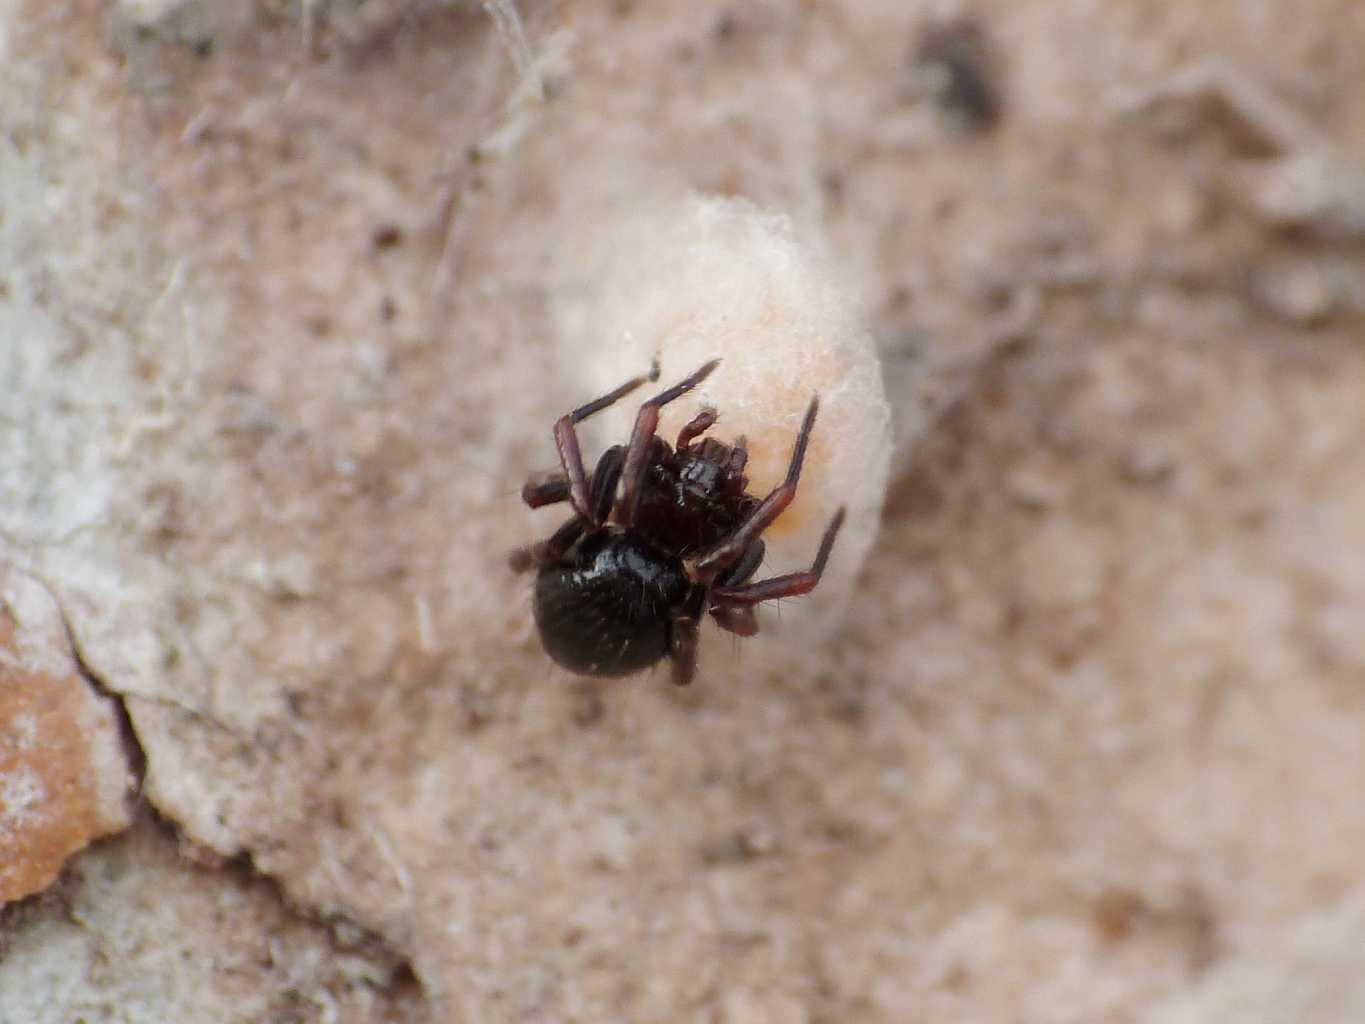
column 641, row 442
column 744, row 569
column 601, row 494
column 698, row 425
column 736, row 618
column 571, row 458
column 550, row 550
column 551, row 488
column 605, row 477
column 612, row 397
column 739, row 455
column 791, row 585
column 706, row 566
column 545, row 490
column 683, row 641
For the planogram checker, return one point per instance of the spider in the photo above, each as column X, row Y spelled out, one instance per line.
column 625, row 582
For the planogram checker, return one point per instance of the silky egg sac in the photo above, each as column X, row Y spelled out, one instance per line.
column 708, row 278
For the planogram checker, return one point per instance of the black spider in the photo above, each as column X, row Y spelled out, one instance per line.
column 626, row 581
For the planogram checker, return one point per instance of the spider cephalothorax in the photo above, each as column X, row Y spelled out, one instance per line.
column 626, row 581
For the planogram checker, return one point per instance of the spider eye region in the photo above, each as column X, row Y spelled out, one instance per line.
column 606, row 608
column 700, row 477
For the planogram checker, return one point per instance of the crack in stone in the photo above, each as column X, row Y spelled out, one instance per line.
column 132, row 746
column 346, row 935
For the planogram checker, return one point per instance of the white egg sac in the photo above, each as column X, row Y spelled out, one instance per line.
column 719, row 278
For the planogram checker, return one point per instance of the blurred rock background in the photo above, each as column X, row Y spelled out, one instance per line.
column 278, row 346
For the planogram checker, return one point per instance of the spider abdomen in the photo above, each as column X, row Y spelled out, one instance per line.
column 606, row 608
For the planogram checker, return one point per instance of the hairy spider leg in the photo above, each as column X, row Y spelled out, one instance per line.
column 791, row 585
column 683, row 642
column 739, row 619
column 570, row 456
column 545, row 490
column 601, row 493
column 641, row 442
column 552, row 549
column 739, row 455
column 728, row 550
column 698, row 425
column 743, row 570
column 605, row 476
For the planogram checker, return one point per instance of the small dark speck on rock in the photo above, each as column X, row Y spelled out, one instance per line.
column 476, row 701
column 386, row 236
column 1117, row 912
column 588, row 706
column 955, row 59
column 555, row 86
column 746, row 844
column 726, row 26
column 318, row 323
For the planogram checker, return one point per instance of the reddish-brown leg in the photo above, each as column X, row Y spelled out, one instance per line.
column 686, row 633
column 605, row 476
column 743, row 570
column 545, row 490
column 549, row 550
column 739, row 455
column 792, row 585
column 698, row 425
column 642, row 439
column 571, row 458
column 737, row 619
column 720, row 556
column 601, row 493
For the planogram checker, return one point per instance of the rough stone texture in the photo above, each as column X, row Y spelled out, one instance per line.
column 135, row 932
column 64, row 777
column 279, row 336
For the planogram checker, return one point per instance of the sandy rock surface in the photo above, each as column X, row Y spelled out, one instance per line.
column 139, row 930
column 283, row 328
